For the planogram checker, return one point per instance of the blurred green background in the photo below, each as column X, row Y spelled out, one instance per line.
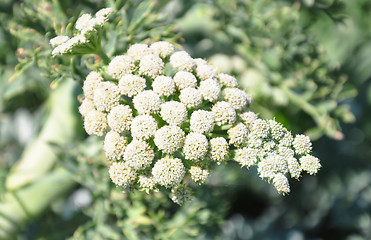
column 307, row 63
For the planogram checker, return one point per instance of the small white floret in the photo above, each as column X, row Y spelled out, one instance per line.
column 184, row 80
column 114, row 145
column 143, row 127
column 138, row 154
column 138, row 50
column 130, row 85
column 190, row 97
column 169, row 138
column 162, row 49
column 195, row 146
column 106, row 96
column 223, row 113
column 163, row 85
column 120, row 118
column 147, row 102
column 210, row 90
column 120, row 65
column 173, row 112
column 168, row 172
column 202, row 121
column 227, row 80
column 182, row 61
column 95, row 123
column 151, row 65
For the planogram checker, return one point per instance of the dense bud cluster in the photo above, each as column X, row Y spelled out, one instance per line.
column 167, row 118
column 85, row 38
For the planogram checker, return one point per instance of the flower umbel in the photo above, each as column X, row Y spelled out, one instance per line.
column 168, row 118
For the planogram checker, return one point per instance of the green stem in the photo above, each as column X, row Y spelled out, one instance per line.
column 103, row 56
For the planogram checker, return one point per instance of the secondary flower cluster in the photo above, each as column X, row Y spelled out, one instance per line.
column 166, row 116
column 85, row 39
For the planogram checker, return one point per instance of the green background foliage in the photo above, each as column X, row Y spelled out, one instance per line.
column 306, row 63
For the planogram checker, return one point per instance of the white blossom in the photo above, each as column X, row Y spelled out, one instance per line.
column 202, row 121
column 198, row 174
column 182, row 61
column 294, row 167
column 219, row 149
column 246, row 156
column 190, row 97
column 130, row 85
column 91, row 82
column 114, row 145
column 143, row 127
column 86, row 106
column 121, row 174
column 120, row 118
column 169, row 138
column 106, row 96
column 95, row 123
column 302, row 144
column 147, row 102
column 138, row 154
column 163, row 85
column 310, row 164
column 210, row 90
column 162, row 49
column 238, row 98
column 82, row 21
column 168, row 172
column 138, row 50
column 260, row 128
column 223, row 113
column 58, row 40
column 248, row 118
column 281, row 183
column 120, row 65
column 237, row 134
column 205, row 72
column 184, row 80
column 227, row 80
column 151, row 65
column 105, row 12
column 173, row 112
column 195, row 146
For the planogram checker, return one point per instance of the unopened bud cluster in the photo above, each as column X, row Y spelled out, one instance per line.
column 85, row 37
column 167, row 117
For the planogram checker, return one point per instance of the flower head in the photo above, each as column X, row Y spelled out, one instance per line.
column 162, row 49
column 120, row 65
column 184, row 79
column 130, row 85
column 120, row 118
column 147, row 102
column 138, row 154
column 169, row 139
column 163, row 85
column 114, row 145
column 182, row 61
column 163, row 125
column 143, row 127
column 202, row 121
column 168, row 172
column 173, row 112
column 195, row 146
column 151, row 65
column 121, row 174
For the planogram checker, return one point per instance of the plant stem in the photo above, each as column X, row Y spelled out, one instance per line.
column 103, row 56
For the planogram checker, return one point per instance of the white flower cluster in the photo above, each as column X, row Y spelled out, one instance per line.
column 163, row 125
column 275, row 152
column 86, row 27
